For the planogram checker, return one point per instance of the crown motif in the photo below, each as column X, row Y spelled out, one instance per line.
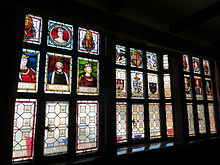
column 60, row 29
column 24, row 56
column 88, row 65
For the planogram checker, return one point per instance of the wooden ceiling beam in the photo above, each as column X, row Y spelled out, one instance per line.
column 196, row 19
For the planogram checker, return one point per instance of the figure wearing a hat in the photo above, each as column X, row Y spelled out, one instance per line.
column 88, row 42
column 58, row 76
column 26, row 74
column 86, row 79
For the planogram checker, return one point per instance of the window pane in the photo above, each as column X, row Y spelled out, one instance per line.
column 151, row 61
column 88, row 41
column 154, row 120
column 121, row 55
column 137, row 121
column 167, row 86
column 198, row 88
column 190, row 119
column 88, row 76
column 137, row 90
column 188, row 87
column 56, row 127
column 121, row 122
column 196, row 65
column 201, row 118
column 208, row 88
column 29, row 70
column 206, row 67
column 87, row 126
column 24, row 129
column 58, row 73
column 186, row 63
column 121, row 83
column 153, row 92
column 165, row 62
column 169, row 119
column 136, row 58
column 60, row 35
column 32, row 29
column 212, row 117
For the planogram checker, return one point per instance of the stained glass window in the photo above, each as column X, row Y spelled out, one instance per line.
column 165, row 62
column 58, row 73
column 186, row 63
column 154, row 120
column 32, row 29
column 136, row 58
column 137, row 121
column 29, row 70
column 88, row 41
column 121, row 55
column 121, row 83
column 198, row 88
column 121, row 122
column 201, row 118
column 153, row 92
column 151, row 61
column 212, row 118
column 206, row 68
column 24, row 129
column 167, row 86
column 169, row 119
column 188, row 87
column 87, row 126
column 56, row 127
column 208, row 88
column 196, row 65
column 60, row 35
column 137, row 90
column 87, row 76
column 190, row 119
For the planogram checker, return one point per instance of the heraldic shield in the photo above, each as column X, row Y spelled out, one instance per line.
column 119, row 84
column 153, row 87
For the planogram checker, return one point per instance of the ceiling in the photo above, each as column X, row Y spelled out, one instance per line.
column 183, row 18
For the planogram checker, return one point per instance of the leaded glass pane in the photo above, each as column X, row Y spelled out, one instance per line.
column 29, row 70
column 121, row 122
column 206, row 68
column 209, row 88
column 191, row 127
column 152, row 63
column 24, row 129
column 188, row 86
column 87, row 126
column 186, row 63
column 167, row 86
column 136, row 58
column 201, row 118
column 58, row 73
column 153, row 92
column 88, row 41
column 137, row 90
column 165, row 62
column 87, row 76
column 121, row 55
column 56, row 127
column 137, row 121
column 196, row 65
column 121, row 83
column 154, row 120
column 212, row 118
column 32, row 29
column 60, row 35
column 169, row 119
column 198, row 88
